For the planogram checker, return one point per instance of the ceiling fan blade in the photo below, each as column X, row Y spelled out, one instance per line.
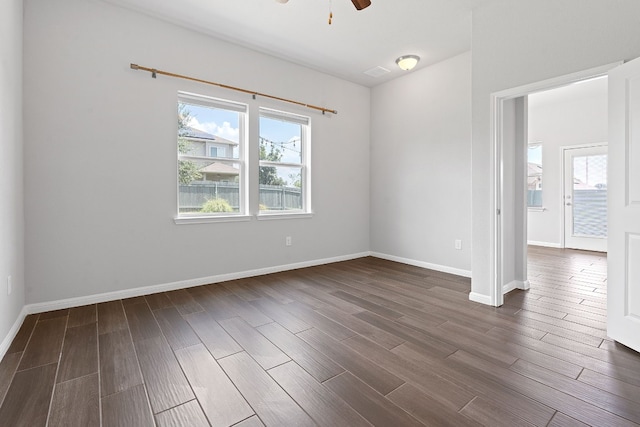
column 361, row 4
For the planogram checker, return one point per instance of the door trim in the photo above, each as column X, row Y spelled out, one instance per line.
column 496, row 164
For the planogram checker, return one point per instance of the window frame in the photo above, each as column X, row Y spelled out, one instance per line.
column 243, row 181
column 304, row 165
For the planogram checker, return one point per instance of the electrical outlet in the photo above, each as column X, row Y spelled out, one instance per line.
column 287, row 241
column 9, row 285
column 458, row 244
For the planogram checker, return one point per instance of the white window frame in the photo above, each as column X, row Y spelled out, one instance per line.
column 243, row 109
column 305, row 165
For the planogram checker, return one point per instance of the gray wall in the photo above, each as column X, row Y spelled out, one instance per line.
column 571, row 115
column 421, row 166
column 11, row 150
column 97, row 129
column 521, row 42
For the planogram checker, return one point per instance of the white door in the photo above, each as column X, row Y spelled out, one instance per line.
column 623, row 313
column 585, row 198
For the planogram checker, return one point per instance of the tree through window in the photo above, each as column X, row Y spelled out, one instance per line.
column 283, row 168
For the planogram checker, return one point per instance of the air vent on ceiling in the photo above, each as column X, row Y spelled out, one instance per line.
column 377, row 71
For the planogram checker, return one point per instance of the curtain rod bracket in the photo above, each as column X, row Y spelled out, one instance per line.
column 254, row 96
column 154, row 73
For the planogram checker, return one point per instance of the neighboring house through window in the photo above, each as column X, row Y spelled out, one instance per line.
column 211, row 167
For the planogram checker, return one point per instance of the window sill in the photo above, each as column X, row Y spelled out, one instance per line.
column 537, row 209
column 292, row 215
column 210, row 219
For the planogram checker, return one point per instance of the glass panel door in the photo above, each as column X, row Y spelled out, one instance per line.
column 586, row 198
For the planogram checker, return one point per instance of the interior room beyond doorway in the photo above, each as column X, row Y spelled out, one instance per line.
column 562, row 204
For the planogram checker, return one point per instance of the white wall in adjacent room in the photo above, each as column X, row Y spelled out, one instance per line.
column 421, row 166
column 11, row 152
column 564, row 117
column 100, row 141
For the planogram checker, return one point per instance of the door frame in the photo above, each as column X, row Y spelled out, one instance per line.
column 563, row 171
column 497, row 163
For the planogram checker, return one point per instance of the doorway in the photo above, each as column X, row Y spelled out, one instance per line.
column 623, row 232
column 585, row 198
column 507, row 120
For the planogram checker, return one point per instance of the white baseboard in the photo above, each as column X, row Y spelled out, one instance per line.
column 146, row 290
column 515, row 284
column 509, row 286
column 486, row 299
column 8, row 339
column 437, row 267
column 481, row 298
column 544, row 244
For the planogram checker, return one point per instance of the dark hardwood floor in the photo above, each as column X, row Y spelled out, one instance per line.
column 356, row 343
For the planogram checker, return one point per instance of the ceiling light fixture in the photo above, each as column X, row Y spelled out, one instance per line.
column 407, row 62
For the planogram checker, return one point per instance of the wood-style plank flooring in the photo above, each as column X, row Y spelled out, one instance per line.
column 357, row 343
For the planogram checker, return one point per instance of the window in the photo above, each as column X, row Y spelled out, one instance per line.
column 217, row 151
column 534, row 175
column 284, row 165
column 211, row 150
column 212, row 154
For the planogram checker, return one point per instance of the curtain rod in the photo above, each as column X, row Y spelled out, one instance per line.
column 154, row 72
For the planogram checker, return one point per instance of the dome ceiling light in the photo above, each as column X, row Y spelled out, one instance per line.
column 407, row 62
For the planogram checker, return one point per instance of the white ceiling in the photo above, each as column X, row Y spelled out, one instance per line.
column 356, row 41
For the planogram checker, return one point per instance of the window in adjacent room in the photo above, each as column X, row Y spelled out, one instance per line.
column 211, row 166
column 534, row 175
column 284, row 162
